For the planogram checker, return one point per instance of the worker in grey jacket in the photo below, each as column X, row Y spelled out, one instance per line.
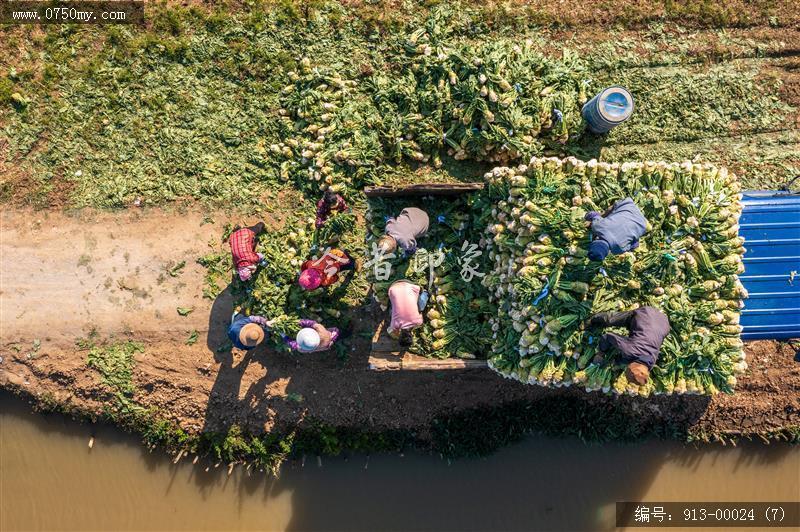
column 403, row 231
column 617, row 231
column 647, row 328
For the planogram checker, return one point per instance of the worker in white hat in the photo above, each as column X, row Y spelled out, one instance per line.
column 246, row 332
column 312, row 337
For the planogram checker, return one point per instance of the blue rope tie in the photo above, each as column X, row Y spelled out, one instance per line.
column 543, row 294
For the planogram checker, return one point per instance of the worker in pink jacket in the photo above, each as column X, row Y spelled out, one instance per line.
column 404, row 297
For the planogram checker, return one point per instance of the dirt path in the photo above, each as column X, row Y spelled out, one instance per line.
column 63, row 276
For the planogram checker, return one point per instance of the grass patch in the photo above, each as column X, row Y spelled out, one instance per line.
column 115, row 363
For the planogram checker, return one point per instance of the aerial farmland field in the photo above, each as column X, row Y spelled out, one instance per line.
column 129, row 155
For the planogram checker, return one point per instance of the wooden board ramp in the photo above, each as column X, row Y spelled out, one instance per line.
column 422, row 189
column 386, row 356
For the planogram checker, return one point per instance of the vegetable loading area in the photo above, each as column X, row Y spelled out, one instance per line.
column 531, row 306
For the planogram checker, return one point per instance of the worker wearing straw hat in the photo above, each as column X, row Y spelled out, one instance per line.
column 617, row 230
column 246, row 332
column 312, row 337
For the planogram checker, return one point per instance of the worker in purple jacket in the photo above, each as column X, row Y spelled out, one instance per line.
column 647, row 328
column 403, row 231
column 618, row 230
column 330, row 203
column 312, row 337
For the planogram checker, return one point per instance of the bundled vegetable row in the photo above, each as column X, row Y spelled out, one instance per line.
column 490, row 101
column 545, row 288
column 329, row 129
column 457, row 316
column 497, row 101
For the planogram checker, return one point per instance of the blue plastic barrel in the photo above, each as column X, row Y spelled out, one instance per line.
column 608, row 109
column 770, row 225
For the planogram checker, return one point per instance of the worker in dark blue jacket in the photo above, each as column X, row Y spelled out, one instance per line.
column 647, row 328
column 616, row 231
column 246, row 332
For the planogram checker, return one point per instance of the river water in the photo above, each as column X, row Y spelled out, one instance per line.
column 50, row 479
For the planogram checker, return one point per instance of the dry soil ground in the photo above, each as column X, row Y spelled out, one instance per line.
column 68, row 276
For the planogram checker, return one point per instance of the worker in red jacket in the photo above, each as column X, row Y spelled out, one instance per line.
column 324, row 271
column 243, row 249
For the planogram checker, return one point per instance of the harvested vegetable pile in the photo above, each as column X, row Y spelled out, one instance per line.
column 546, row 288
column 457, row 316
column 275, row 294
column 495, row 101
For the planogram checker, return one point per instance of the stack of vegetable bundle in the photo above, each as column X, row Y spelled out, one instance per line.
column 545, row 287
column 329, row 130
column 456, row 320
column 490, row 101
column 496, row 101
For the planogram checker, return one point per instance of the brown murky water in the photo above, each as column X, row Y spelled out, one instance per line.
column 50, row 479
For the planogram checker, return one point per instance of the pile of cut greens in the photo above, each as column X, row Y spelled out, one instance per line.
column 545, row 288
column 456, row 318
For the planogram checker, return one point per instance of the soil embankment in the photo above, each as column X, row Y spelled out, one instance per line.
column 117, row 276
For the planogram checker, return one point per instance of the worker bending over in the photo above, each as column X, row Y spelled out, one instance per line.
column 618, row 230
column 647, row 328
column 246, row 332
column 324, row 271
column 404, row 297
column 312, row 337
column 331, row 202
column 243, row 249
column 403, row 231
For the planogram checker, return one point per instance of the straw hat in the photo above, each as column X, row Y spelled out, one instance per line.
column 251, row 335
column 387, row 244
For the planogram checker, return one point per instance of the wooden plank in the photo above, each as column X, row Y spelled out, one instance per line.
column 386, row 361
column 415, row 362
column 386, row 356
column 422, row 189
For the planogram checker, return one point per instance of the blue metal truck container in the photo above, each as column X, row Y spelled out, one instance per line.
column 770, row 225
